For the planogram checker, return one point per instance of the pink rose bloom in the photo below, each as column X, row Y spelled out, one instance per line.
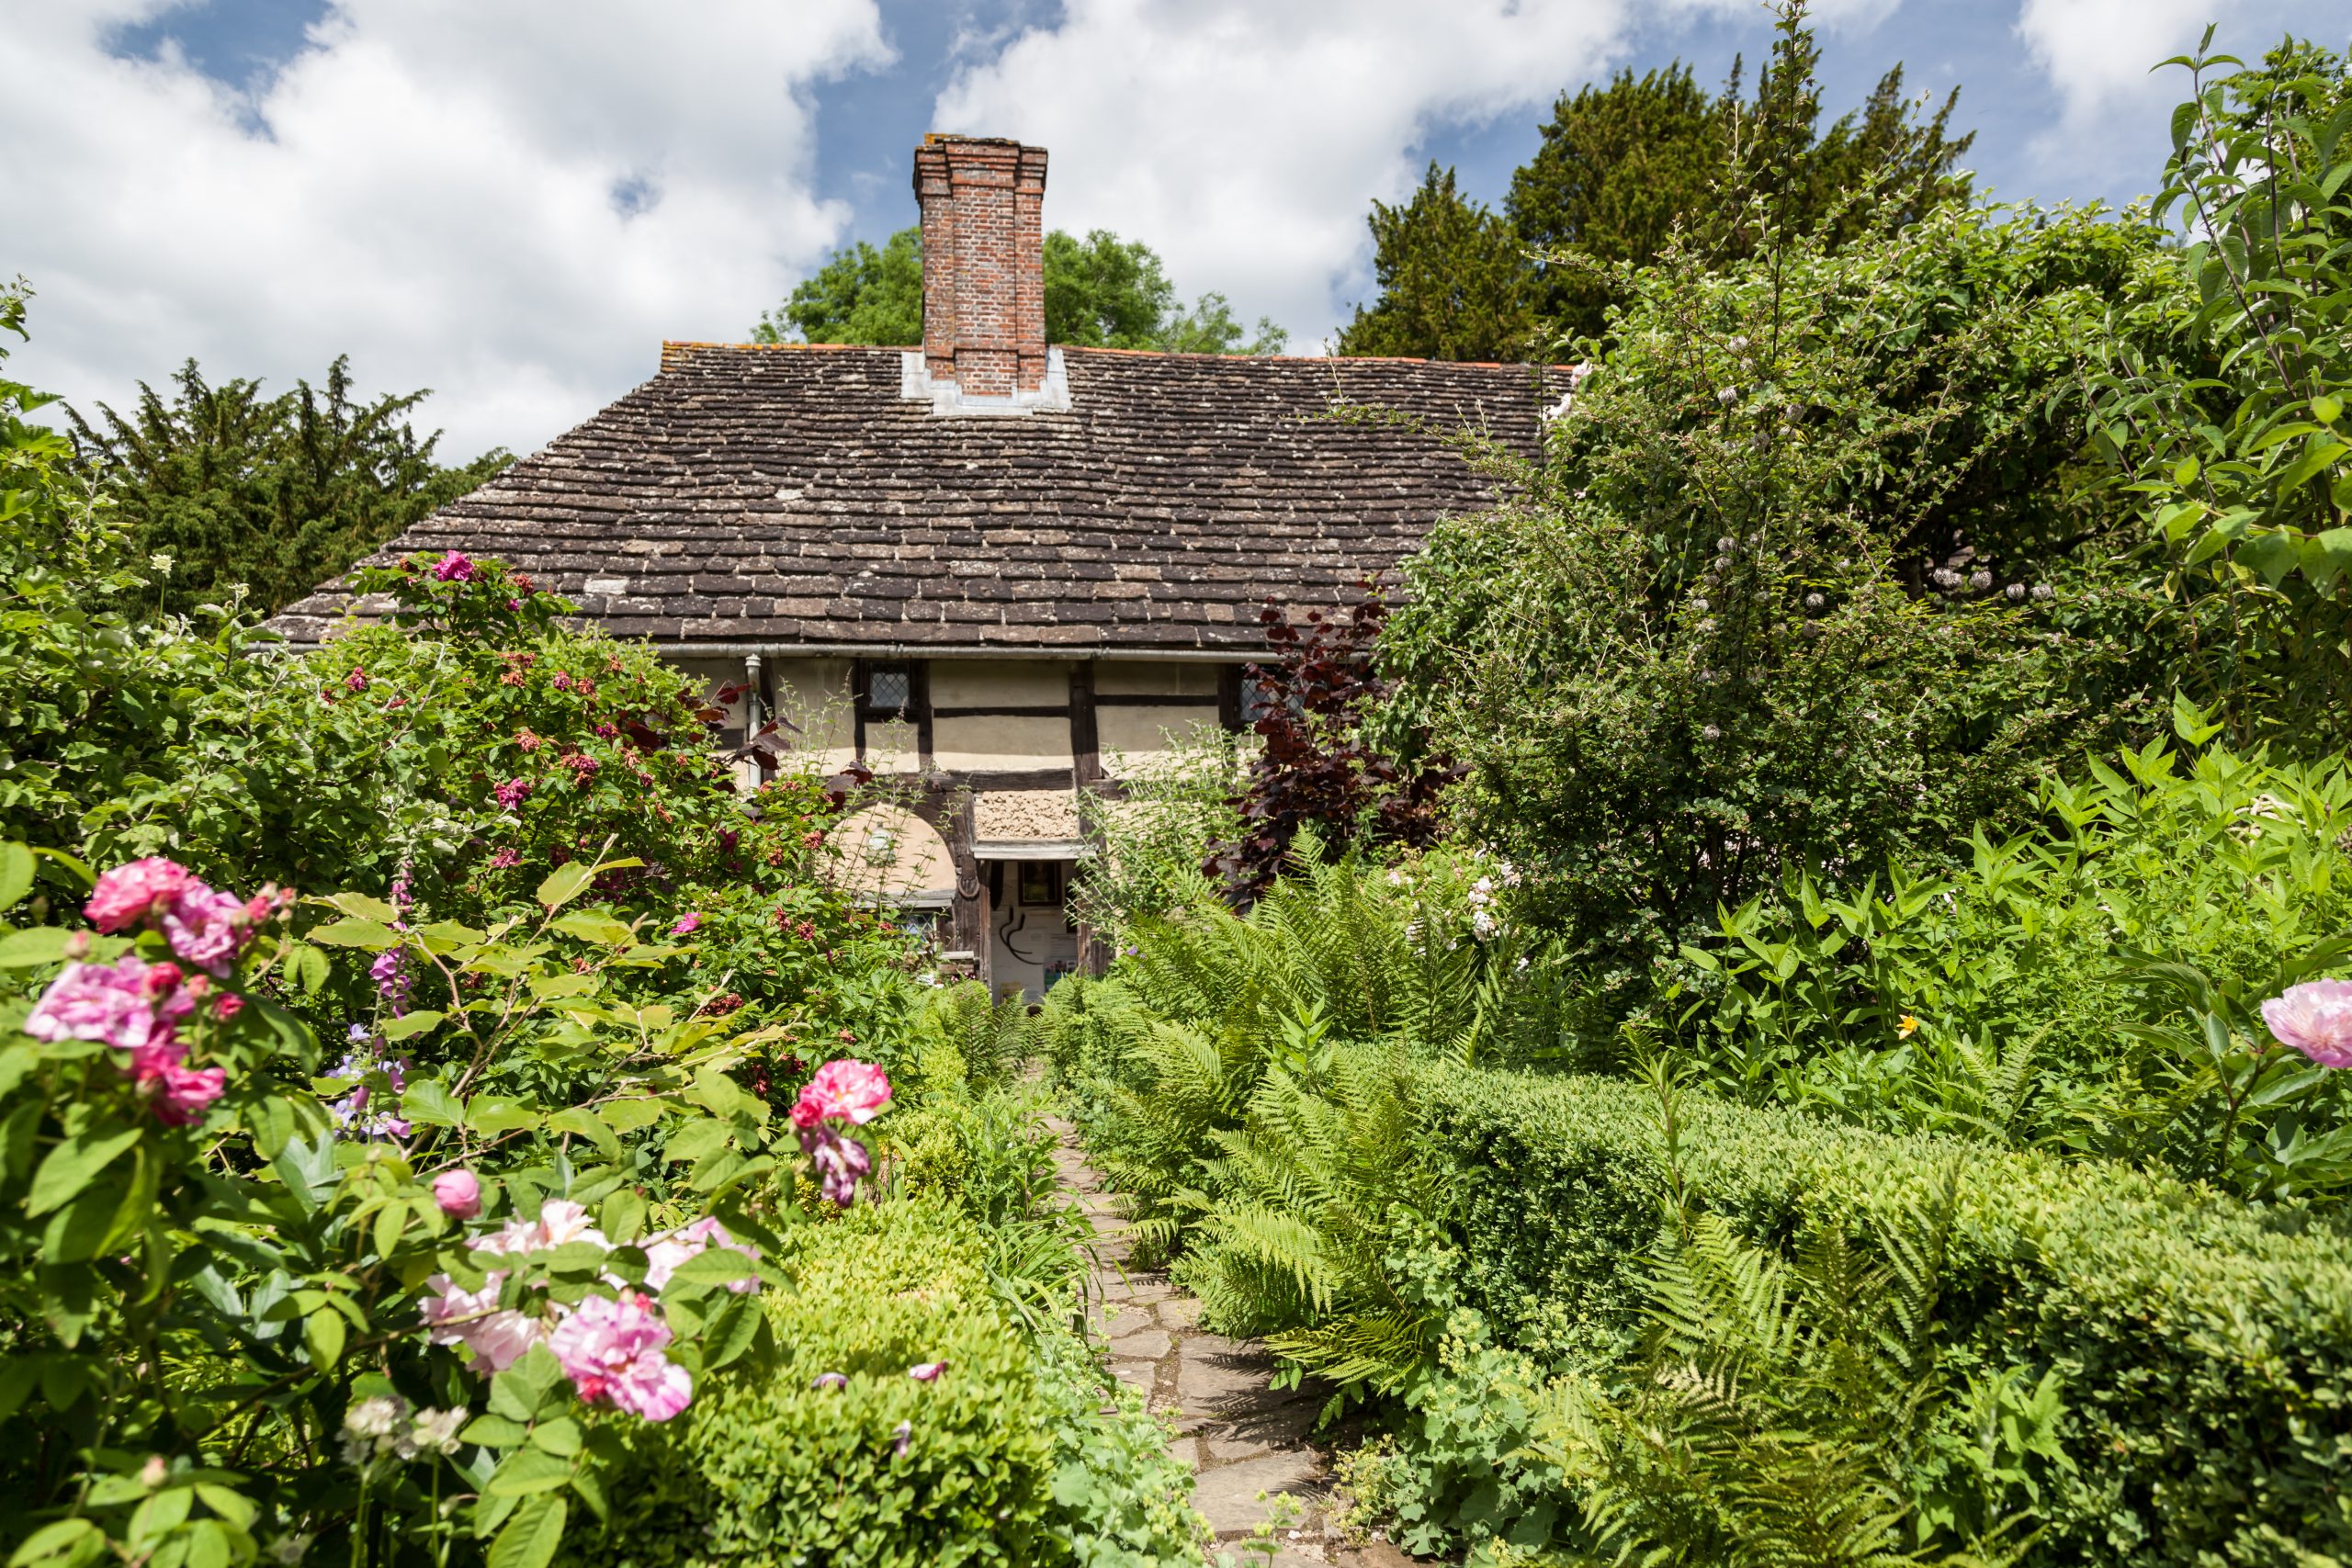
column 503, row 859
column 454, row 568
column 113, row 1004
column 611, row 1349
column 843, row 1090
column 665, row 1252
column 124, row 896
column 356, row 681
column 498, row 1336
column 513, row 792
column 204, row 927
column 841, row 1161
column 458, row 1192
column 687, row 925
column 2315, row 1018
column 186, row 1092
column 562, row 1222
column 926, row 1371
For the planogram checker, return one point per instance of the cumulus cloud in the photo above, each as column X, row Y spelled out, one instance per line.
column 511, row 201
column 2097, row 55
column 1243, row 140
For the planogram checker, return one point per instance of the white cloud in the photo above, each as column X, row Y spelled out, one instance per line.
column 432, row 189
column 1244, row 140
column 2098, row 54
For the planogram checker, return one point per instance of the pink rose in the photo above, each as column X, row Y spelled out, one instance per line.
column 114, row 1004
column 124, row 896
column 2315, row 1018
column 665, row 1252
column 454, row 568
column 186, row 1092
column 611, row 1349
column 843, row 1090
column 687, row 925
column 458, row 1192
column 926, row 1371
column 498, row 1336
column 204, row 927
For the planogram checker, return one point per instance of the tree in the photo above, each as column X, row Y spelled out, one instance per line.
column 1453, row 281
column 222, row 488
column 1619, row 169
column 1101, row 292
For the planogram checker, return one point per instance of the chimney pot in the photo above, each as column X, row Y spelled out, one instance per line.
column 982, row 200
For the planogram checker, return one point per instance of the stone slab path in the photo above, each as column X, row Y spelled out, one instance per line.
column 1246, row 1444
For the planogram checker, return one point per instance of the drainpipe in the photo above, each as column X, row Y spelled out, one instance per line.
column 751, row 715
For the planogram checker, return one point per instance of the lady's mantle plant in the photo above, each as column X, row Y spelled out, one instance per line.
column 409, row 1313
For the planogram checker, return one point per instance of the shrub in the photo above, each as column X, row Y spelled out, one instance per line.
column 1001, row 1458
column 2204, row 1345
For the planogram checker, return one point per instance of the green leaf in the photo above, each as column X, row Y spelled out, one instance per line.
column 623, row 1217
column 593, row 925
column 50, row 1539
column 494, row 1432
column 2326, row 410
column 370, row 936
column 359, row 906
column 490, row 1114
column 715, row 1266
column 323, row 1337
column 15, row 875
column 531, row 1537
column 528, row 1470
column 2272, row 555
column 2321, row 455
column 560, row 1437
column 427, row 1102
column 408, row 1024
column 73, row 1164
column 43, row 945
column 566, row 883
column 573, row 1119
column 2325, row 557
column 628, row 1115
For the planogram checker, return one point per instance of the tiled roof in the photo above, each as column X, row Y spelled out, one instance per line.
column 793, row 496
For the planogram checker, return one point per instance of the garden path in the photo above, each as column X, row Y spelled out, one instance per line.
column 1246, row 1444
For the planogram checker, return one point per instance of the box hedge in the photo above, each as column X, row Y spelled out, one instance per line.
column 1016, row 1454
column 2205, row 1343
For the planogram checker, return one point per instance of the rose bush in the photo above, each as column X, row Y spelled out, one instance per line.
column 257, row 1304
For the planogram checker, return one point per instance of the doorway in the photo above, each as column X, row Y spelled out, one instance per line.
column 1032, row 940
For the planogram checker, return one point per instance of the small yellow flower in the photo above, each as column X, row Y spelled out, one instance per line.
column 1906, row 1026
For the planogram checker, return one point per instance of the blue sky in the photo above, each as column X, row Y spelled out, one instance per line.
column 513, row 201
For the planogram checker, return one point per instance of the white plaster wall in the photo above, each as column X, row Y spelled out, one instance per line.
column 1135, row 733
column 1155, row 678
column 999, row 683
column 1000, row 742
column 813, row 694
column 886, row 851
column 892, row 746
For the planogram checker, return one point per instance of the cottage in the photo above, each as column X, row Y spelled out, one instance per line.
column 982, row 567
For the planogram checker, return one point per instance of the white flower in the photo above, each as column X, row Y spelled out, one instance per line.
column 1511, row 875
column 1483, row 923
column 436, row 1431
column 1727, row 396
column 163, row 565
column 1814, row 601
column 1981, row 579
column 1485, row 885
column 375, row 1418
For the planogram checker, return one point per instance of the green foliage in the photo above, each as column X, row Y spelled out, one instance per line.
column 2223, row 402
column 1708, row 644
column 2086, row 986
column 1623, row 170
column 240, row 500
column 1174, row 807
column 222, row 1289
column 2199, row 1339
column 97, row 688
column 1101, row 292
column 1454, row 284
column 1006, row 1458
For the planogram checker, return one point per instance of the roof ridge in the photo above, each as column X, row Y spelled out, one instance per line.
column 678, row 348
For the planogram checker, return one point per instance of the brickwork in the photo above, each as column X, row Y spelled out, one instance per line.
column 982, row 201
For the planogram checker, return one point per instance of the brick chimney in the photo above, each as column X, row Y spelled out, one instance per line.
column 983, row 264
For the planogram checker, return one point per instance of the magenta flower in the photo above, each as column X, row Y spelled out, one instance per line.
column 513, row 792
column 612, row 1352
column 124, row 896
column 204, row 927
column 830, row 1380
column 498, row 1336
column 356, row 681
column 902, row 1438
column 584, row 767
column 454, row 568
column 841, row 1161
column 113, row 1004
column 458, row 1192
column 843, row 1090
column 687, row 925
column 2315, row 1018
column 503, row 859
column 186, row 1092
column 926, row 1371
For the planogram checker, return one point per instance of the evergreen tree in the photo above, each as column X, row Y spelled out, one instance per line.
column 223, row 488
column 1618, row 168
column 1453, row 281
column 1101, row 292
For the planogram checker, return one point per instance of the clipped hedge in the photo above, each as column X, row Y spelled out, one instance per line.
column 1010, row 1457
column 2206, row 1344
